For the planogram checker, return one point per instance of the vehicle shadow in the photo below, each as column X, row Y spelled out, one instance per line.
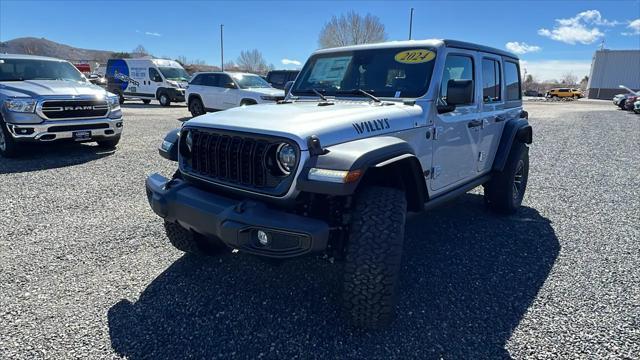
column 468, row 278
column 153, row 104
column 51, row 156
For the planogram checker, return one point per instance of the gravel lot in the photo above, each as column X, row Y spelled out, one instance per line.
column 86, row 271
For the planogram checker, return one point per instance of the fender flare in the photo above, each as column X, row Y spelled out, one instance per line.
column 515, row 130
column 369, row 155
column 169, row 147
column 193, row 96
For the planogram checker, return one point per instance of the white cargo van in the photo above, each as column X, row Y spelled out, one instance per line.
column 147, row 79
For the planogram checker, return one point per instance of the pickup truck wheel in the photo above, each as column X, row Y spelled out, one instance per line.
column 505, row 191
column 109, row 144
column 8, row 146
column 195, row 107
column 373, row 255
column 164, row 99
column 190, row 242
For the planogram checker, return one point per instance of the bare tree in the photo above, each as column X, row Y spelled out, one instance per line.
column 139, row 51
column 569, row 79
column 182, row 60
column 351, row 29
column 252, row 61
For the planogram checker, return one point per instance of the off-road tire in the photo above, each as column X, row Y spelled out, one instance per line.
column 9, row 148
column 146, row 101
column 373, row 256
column 110, row 143
column 164, row 99
column 505, row 191
column 190, row 242
column 196, row 108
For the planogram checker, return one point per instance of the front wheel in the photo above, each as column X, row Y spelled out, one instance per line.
column 109, row 144
column 196, row 108
column 164, row 99
column 9, row 148
column 373, row 255
column 505, row 191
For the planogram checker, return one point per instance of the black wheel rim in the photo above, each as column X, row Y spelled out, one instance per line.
column 518, row 180
column 3, row 142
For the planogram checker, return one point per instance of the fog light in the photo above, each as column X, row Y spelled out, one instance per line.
column 263, row 238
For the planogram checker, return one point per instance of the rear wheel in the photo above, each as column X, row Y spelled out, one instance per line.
column 191, row 242
column 505, row 191
column 373, row 255
column 8, row 146
column 195, row 107
column 164, row 99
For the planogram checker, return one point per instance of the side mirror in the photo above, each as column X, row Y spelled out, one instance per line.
column 230, row 85
column 287, row 86
column 169, row 147
column 459, row 92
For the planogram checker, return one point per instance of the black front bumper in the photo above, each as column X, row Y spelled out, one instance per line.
column 236, row 222
column 176, row 95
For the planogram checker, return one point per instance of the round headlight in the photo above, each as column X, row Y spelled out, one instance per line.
column 287, row 158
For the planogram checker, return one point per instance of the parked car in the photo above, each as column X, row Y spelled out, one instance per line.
column 564, row 93
column 45, row 99
column 278, row 78
column 620, row 100
column 97, row 79
column 533, row 93
column 147, row 79
column 213, row 91
column 636, row 107
column 367, row 133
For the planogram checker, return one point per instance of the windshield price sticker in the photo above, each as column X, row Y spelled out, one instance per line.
column 416, row 56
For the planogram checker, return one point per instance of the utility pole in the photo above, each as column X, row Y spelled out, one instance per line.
column 410, row 23
column 221, row 49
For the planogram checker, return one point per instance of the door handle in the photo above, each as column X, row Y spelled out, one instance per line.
column 474, row 123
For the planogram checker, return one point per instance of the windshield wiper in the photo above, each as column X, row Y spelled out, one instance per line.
column 361, row 92
column 324, row 98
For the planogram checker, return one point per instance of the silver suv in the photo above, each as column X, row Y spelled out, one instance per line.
column 44, row 99
column 365, row 134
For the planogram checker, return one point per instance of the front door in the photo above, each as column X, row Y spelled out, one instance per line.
column 458, row 132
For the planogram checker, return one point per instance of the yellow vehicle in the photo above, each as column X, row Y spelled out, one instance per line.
column 564, row 92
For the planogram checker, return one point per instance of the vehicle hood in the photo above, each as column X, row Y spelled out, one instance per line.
column 37, row 88
column 266, row 91
column 332, row 124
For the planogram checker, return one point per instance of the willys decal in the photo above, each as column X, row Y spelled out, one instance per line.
column 371, row 125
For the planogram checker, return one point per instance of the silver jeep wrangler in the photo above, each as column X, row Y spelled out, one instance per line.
column 44, row 99
column 365, row 134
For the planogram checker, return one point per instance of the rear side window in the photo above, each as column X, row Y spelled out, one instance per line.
column 490, row 80
column 210, row 80
column 512, row 80
column 457, row 67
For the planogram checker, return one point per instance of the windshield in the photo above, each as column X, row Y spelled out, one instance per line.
column 31, row 69
column 250, row 81
column 397, row 72
column 174, row 73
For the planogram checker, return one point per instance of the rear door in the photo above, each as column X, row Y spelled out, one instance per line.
column 492, row 110
column 456, row 132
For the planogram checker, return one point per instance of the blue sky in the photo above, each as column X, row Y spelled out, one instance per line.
column 554, row 37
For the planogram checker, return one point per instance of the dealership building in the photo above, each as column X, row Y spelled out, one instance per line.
column 611, row 68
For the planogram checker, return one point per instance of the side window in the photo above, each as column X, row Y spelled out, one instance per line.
column 457, row 67
column 490, row 80
column 154, row 75
column 512, row 80
column 223, row 80
column 197, row 80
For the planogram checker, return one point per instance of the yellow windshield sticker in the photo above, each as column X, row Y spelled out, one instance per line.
column 415, row 56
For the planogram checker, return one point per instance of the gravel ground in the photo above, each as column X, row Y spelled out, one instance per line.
column 86, row 271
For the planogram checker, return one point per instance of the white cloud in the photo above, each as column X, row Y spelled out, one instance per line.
column 634, row 26
column 543, row 70
column 153, row 34
column 521, row 47
column 578, row 29
column 291, row 62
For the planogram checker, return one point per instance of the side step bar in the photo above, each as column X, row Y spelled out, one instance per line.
column 444, row 198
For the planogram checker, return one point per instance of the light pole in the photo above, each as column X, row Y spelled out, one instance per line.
column 221, row 49
column 410, row 23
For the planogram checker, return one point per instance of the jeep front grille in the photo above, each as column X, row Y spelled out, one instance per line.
column 236, row 159
column 73, row 109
